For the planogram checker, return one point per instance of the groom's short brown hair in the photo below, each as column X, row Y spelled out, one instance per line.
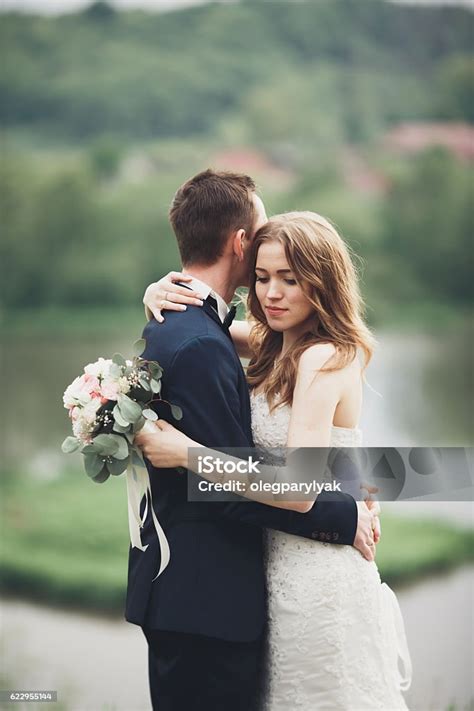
column 206, row 210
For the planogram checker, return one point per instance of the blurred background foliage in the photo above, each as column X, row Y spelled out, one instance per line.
column 106, row 112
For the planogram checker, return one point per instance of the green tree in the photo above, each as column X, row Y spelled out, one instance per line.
column 455, row 95
column 429, row 220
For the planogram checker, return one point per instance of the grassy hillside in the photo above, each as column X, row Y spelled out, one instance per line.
column 66, row 542
column 179, row 73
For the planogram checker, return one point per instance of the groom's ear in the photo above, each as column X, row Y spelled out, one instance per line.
column 239, row 244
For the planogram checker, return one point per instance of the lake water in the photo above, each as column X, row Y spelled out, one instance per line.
column 417, row 394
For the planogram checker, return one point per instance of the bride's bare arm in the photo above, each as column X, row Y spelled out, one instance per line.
column 240, row 332
column 316, row 396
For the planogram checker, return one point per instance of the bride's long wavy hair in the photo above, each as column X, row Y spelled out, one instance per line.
column 322, row 265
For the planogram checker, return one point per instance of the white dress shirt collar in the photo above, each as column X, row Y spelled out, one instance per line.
column 204, row 290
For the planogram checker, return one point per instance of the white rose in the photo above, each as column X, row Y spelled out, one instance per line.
column 89, row 412
column 72, row 393
column 99, row 369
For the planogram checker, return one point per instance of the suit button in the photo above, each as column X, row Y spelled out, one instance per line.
column 314, row 535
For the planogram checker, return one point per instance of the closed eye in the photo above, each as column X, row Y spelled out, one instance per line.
column 264, row 280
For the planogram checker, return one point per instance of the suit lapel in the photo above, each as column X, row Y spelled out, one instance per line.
column 211, row 312
column 215, row 317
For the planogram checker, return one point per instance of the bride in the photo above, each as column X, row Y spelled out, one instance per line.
column 336, row 636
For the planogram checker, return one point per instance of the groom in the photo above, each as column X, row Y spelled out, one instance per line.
column 205, row 615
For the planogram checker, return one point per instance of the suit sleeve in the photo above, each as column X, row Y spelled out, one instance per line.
column 203, row 381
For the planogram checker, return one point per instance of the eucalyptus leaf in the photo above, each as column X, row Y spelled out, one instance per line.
column 120, row 428
column 150, row 415
column 91, row 449
column 117, row 466
column 139, row 346
column 107, row 443
column 155, row 385
column 118, row 359
column 176, row 412
column 102, row 476
column 138, row 425
column 155, row 369
column 119, row 418
column 93, row 464
column 144, row 383
column 122, row 446
column 115, row 371
column 70, row 444
column 129, row 409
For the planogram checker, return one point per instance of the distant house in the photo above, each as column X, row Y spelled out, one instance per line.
column 413, row 137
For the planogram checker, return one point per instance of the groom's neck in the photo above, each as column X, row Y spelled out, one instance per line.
column 217, row 276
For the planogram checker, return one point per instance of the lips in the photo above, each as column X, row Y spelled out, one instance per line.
column 274, row 311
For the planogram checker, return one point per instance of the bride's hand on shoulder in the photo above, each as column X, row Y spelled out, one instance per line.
column 166, row 295
column 166, row 448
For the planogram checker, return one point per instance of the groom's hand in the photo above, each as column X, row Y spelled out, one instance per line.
column 364, row 538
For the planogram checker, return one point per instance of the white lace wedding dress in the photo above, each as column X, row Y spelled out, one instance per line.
column 336, row 635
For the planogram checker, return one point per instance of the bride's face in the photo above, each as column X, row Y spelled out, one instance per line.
column 282, row 299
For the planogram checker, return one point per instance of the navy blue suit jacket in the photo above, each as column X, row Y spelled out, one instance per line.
column 214, row 584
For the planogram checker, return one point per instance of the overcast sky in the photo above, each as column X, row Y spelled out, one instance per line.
column 55, row 6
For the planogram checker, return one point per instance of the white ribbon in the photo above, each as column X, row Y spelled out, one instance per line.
column 138, row 486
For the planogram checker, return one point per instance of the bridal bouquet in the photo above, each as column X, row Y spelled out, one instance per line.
column 108, row 404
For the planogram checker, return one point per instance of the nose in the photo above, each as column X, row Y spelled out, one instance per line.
column 274, row 291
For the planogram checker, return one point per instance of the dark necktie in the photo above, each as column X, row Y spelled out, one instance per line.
column 230, row 317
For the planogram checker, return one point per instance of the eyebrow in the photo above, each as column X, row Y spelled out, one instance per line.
column 279, row 271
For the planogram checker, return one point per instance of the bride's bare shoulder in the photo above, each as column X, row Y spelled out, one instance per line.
column 316, row 356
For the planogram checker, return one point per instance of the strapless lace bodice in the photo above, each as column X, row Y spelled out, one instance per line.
column 270, row 429
column 335, row 631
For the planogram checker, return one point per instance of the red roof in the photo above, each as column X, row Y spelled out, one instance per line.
column 415, row 137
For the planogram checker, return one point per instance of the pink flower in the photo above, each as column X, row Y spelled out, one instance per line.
column 90, row 384
column 110, row 390
column 81, row 390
